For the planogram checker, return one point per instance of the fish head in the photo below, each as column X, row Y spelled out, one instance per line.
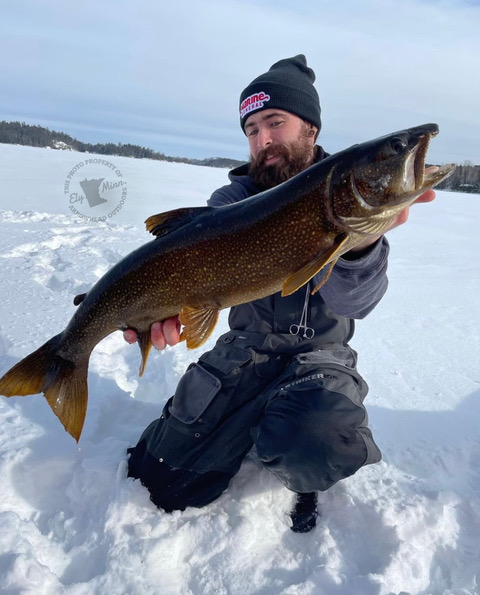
column 386, row 174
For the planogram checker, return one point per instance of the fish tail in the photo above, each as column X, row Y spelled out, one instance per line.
column 63, row 382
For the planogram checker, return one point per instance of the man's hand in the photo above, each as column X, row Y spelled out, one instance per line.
column 161, row 333
column 402, row 218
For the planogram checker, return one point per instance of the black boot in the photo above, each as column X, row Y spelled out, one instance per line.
column 304, row 513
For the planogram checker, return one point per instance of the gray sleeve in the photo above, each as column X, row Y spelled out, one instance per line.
column 233, row 192
column 356, row 286
column 220, row 198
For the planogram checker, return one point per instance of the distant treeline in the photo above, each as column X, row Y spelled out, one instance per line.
column 19, row 133
column 466, row 177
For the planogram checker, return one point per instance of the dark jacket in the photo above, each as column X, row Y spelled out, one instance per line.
column 354, row 288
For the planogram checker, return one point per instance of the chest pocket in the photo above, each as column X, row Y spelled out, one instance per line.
column 206, row 390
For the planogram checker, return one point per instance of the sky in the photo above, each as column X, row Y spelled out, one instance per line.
column 167, row 75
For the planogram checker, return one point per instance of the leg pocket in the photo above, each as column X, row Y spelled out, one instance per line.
column 207, row 390
column 195, row 391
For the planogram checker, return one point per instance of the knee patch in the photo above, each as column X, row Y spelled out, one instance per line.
column 311, row 437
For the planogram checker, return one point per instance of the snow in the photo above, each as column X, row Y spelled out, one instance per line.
column 72, row 523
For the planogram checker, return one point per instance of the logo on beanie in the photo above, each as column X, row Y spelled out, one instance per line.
column 253, row 102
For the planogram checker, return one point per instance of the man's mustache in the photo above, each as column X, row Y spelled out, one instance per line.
column 278, row 150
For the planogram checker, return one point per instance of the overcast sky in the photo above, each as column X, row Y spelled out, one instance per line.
column 167, row 75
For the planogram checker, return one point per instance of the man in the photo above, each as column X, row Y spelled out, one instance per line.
column 284, row 377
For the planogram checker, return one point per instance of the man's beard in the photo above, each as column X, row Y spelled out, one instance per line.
column 296, row 157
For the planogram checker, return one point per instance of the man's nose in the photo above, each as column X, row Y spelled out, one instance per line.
column 264, row 138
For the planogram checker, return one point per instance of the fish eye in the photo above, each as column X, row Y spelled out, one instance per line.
column 398, row 144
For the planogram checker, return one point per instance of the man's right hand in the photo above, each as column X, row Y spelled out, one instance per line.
column 162, row 333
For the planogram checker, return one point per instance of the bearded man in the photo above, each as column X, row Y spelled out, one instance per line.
column 284, row 378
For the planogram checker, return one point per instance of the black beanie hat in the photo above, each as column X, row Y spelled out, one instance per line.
column 288, row 85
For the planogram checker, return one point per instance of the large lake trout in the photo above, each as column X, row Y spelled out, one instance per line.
column 205, row 259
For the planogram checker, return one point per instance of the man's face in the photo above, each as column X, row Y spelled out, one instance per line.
column 281, row 145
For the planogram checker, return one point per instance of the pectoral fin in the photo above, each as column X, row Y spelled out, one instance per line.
column 145, row 343
column 308, row 271
column 198, row 324
column 325, row 277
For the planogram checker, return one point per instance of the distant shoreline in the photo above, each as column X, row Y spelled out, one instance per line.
column 20, row 133
column 466, row 177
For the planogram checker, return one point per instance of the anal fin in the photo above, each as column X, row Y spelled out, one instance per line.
column 145, row 343
column 303, row 275
column 198, row 324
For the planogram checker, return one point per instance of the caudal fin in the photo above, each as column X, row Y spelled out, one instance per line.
column 64, row 384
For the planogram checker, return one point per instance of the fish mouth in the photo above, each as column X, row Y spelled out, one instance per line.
column 405, row 177
column 434, row 174
column 417, row 176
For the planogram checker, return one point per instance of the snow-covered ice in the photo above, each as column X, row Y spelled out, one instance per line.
column 72, row 523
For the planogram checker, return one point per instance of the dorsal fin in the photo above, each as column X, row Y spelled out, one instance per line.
column 163, row 223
